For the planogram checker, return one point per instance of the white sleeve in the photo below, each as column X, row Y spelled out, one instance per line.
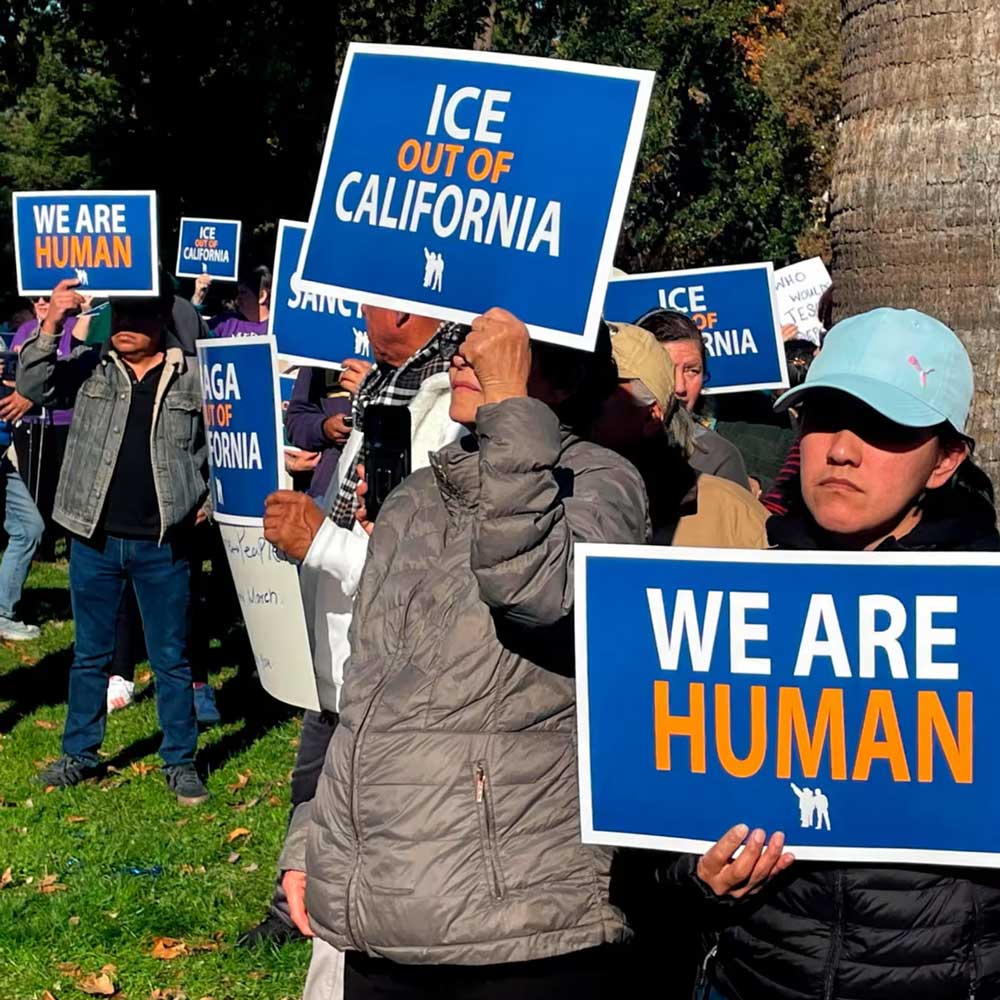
column 338, row 552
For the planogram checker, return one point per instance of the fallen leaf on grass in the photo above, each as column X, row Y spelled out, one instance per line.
column 170, row 993
column 143, row 677
column 51, row 883
column 167, row 948
column 68, row 968
column 274, row 801
column 207, row 946
column 45, row 724
column 141, row 768
column 240, row 831
column 49, row 789
column 183, row 822
column 28, row 804
column 252, row 867
column 46, row 995
column 233, row 858
column 242, row 780
column 6, row 878
column 258, row 976
column 97, row 985
column 74, row 921
column 76, row 819
column 244, row 806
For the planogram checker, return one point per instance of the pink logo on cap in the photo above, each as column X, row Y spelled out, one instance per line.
column 912, row 359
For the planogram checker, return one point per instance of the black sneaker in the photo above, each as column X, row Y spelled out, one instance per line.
column 67, row 771
column 183, row 781
column 271, row 930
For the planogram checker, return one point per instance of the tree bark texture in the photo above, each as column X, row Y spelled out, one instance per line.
column 916, row 192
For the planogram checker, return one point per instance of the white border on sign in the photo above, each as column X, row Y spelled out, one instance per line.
column 584, row 552
column 644, row 80
column 154, row 255
column 775, row 316
column 209, row 343
column 295, row 359
column 178, row 273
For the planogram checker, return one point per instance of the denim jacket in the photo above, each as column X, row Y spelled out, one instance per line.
column 97, row 383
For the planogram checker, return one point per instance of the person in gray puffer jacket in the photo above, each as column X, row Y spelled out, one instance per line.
column 444, row 850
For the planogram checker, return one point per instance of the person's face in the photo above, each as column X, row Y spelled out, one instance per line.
column 41, row 306
column 689, row 372
column 248, row 303
column 466, row 393
column 861, row 473
column 625, row 421
column 135, row 333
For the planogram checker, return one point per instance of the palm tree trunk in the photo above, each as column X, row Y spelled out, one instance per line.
column 916, row 193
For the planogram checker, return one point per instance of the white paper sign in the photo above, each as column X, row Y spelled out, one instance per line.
column 271, row 601
column 799, row 287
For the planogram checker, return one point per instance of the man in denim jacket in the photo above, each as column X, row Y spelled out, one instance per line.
column 131, row 488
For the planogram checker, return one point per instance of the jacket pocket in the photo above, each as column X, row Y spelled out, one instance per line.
column 181, row 413
column 488, row 842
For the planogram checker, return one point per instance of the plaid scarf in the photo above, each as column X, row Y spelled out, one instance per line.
column 395, row 387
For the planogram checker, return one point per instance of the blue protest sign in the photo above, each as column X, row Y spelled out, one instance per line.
column 849, row 699
column 311, row 327
column 106, row 240
column 456, row 181
column 209, row 246
column 239, row 378
column 733, row 307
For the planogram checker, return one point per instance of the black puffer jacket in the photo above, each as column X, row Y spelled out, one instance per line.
column 833, row 932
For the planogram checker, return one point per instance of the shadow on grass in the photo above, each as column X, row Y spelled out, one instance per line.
column 240, row 699
column 45, row 604
column 34, row 686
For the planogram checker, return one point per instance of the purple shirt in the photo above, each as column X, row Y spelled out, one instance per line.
column 234, row 325
column 60, row 418
column 313, row 400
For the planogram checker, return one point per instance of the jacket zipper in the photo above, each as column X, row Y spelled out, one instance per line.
column 836, row 940
column 974, row 981
column 356, row 817
column 488, row 830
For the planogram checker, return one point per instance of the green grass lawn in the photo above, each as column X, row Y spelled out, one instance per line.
column 98, row 872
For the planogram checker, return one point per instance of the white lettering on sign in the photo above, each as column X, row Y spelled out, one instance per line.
column 883, row 623
column 219, row 381
column 488, row 217
column 489, row 114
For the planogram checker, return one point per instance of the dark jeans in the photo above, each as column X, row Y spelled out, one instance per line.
column 161, row 574
column 582, row 975
column 317, row 731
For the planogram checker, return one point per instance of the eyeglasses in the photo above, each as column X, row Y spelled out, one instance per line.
column 450, row 338
column 41, row 300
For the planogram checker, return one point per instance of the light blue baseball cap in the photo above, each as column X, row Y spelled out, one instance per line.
column 905, row 365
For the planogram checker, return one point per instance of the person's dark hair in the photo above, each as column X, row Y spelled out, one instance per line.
column 160, row 305
column 824, row 309
column 799, row 355
column 588, row 378
column 668, row 326
column 21, row 317
column 257, row 279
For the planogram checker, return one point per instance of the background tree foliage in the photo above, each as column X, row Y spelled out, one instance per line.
column 221, row 107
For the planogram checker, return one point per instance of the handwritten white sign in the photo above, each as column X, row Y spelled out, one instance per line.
column 798, row 289
column 268, row 590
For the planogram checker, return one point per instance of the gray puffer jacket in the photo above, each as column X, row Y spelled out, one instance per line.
column 445, row 827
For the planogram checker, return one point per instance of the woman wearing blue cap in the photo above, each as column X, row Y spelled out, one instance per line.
column 885, row 466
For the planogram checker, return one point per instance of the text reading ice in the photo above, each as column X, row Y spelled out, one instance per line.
column 230, row 449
